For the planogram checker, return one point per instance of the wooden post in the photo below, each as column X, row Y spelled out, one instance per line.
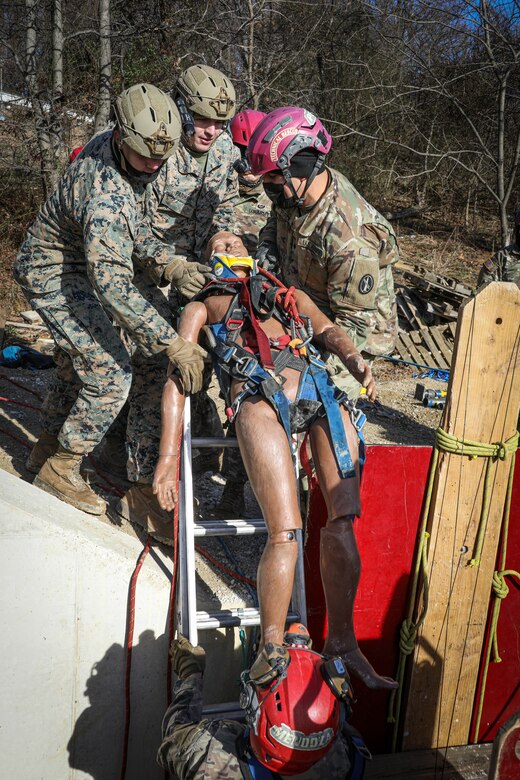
column 482, row 405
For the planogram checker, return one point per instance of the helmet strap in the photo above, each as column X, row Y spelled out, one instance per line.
column 188, row 125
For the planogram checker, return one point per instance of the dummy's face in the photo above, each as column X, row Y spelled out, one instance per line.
column 206, row 133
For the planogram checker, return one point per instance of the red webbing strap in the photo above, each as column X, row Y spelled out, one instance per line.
column 306, row 463
column 129, row 645
column 264, row 350
column 171, row 604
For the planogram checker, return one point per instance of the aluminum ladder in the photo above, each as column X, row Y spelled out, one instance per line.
column 189, row 619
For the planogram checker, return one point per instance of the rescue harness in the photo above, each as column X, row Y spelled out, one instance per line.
column 256, row 299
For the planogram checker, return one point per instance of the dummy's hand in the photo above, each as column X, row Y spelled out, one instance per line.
column 361, row 371
column 165, row 482
column 225, row 243
column 267, row 256
column 189, row 278
column 187, row 659
column 188, row 358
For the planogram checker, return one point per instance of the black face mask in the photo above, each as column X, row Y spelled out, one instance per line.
column 276, row 194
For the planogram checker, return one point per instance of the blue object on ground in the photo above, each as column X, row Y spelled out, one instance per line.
column 25, row 357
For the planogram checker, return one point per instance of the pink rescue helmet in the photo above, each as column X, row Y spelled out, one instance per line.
column 244, row 124
column 284, row 133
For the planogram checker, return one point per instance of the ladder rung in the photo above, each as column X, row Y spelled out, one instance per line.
column 230, row 441
column 238, row 527
column 240, row 616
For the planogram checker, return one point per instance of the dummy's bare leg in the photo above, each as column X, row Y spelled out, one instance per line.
column 267, row 459
column 339, row 556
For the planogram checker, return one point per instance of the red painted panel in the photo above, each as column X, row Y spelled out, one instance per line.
column 392, row 493
column 394, row 483
column 502, row 697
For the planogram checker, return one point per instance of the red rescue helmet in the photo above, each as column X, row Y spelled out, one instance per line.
column 297, row 717
column 74, row 153
column 284, row 133
column 244, row 124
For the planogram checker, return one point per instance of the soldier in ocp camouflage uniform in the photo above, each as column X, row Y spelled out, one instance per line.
column 323, row 236
column 193, row 212
column 75, row 269
column 197, row 749
column 504, row 266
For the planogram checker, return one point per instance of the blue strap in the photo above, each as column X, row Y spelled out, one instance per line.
column 360, row 755
column 258, row 771
column 328, row 398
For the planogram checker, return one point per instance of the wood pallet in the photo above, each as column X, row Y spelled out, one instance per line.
column 432, row 347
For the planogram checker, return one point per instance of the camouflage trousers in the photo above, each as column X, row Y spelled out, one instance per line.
column 93, row 372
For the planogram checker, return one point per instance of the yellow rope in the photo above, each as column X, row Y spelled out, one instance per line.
column 501, row 590
column 448, row 443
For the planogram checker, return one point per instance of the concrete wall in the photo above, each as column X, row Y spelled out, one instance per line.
column 64, row 579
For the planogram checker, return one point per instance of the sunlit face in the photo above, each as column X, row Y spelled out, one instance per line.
column 206, row 133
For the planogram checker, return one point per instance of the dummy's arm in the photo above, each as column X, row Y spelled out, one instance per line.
column 193, row 318
column 331, row 338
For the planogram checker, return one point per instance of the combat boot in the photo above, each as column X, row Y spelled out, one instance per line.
column 139, row 505
column 60, row 476
column 46, row 446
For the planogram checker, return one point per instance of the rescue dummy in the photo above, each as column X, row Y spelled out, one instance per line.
column 265, row 340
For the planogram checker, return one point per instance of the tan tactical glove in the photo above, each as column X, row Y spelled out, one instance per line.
column 187, row 277
column 187, row 659
column 188, row 358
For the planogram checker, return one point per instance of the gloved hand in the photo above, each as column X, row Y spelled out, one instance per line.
column 187, row 277
column 188, row 358
column 187, row 659
column 267, row 256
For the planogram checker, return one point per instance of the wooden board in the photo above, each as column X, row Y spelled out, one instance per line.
column 469, row 762
column 482, row 405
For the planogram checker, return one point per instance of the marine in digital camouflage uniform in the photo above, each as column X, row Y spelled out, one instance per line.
column 194, row 207
column 76, row 270
column 334, row 245
column 194, row 748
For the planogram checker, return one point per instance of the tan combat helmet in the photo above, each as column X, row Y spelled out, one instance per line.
column 207, row 92
column 148, row 121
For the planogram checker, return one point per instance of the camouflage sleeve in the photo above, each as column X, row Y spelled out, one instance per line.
column 185, row 742
column 223, row 216
column 152, row 254
column 268, row 233
column 108, row 233
column 360, row 288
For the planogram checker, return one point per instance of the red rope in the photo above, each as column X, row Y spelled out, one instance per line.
column 171, row 605
column 129, row 645
column 19, row 403
column 23, row 387
column 25, row 443
column 224, row 568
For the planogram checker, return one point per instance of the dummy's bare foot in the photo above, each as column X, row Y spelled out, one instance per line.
column 358, row 665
